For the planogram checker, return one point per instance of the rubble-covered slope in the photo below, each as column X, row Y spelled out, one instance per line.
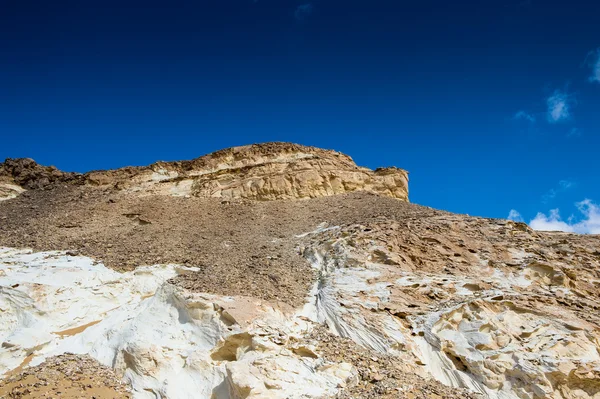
column 67, row 376
column 353, row 295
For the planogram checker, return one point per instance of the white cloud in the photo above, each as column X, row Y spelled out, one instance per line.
column 590, row 224
column 525, row 116
column 574, row 133
column 552, row 222
column 550, row 195
column 565, row 184
column 515, row 216
column 559, row 106
column 595, row 64
column 303, row 11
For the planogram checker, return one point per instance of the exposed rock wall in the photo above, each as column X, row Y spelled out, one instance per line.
column 162, row 340
column 270, row 171
column 27, row 174
column 485, row 304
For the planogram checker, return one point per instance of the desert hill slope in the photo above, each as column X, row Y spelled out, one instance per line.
column 284, row 271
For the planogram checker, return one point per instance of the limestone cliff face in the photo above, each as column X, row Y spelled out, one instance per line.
column 270, row 171
column 294, row 172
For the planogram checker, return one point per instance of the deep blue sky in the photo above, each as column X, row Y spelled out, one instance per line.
column 458, row 93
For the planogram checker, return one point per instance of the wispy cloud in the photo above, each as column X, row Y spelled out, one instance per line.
column 559, row 106
column 594, row 56
column 566, row 184
column 563, row 185
column 574, row 132
column 303, row 11
column 590, row 224
column 515, row 216
column 522, row 115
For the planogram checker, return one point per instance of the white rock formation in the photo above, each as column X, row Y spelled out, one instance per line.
column 471, row 336
column 9, row 190
column 472, row 331
column 165, row 342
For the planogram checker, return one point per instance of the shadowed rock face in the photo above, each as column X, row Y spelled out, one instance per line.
column 18, row 175
column 270, row 171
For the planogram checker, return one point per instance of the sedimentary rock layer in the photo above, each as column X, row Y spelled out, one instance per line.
column 270, row 171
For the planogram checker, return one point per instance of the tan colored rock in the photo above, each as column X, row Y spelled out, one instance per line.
column 269, row 171
column 485, row 304
column 67, row 376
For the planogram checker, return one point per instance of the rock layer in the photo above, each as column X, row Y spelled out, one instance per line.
column 355, row 295
column 489, row 305
column 269, row 171
column 27, row 174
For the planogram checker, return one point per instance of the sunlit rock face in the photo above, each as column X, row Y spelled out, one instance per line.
column 163, row 341
column 488, row 305
column 270, row 171
column 9, row 190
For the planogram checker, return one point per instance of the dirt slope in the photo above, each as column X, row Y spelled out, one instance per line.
column 241, row 246
column 67, row 376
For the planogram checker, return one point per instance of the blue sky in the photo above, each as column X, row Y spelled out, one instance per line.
column 492, row 106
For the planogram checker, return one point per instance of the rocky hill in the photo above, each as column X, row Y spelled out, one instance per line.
column 267, row 171
column 283, row 271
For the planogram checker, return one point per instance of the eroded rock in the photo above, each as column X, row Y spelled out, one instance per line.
column 212, row 290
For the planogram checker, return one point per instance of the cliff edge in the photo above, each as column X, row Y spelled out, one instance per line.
column 268, row 171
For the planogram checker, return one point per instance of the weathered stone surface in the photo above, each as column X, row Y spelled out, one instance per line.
column 490, row 305
column 269, row 171
column 9, row 190
column 27, row 174
column 68, row 377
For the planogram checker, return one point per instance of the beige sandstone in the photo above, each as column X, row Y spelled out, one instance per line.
column 269, row 171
